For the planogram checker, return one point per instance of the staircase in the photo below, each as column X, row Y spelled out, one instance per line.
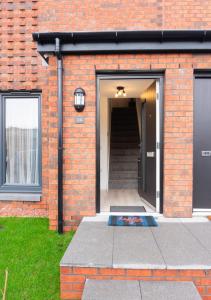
column 124, row 149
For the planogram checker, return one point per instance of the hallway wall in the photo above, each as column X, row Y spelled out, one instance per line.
column 104, row 141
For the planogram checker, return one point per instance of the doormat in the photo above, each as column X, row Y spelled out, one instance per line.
column 127, row 209
column 145, row 221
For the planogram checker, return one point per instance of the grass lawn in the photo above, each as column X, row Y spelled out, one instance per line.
column 31, row 253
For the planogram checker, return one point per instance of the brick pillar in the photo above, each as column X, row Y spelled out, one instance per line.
column 178, row 147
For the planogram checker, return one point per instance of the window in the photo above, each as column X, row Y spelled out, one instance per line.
column 20, row 148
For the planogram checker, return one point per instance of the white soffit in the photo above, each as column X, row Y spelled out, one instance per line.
column 133, row 87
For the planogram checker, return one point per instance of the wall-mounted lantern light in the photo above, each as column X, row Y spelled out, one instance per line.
column 79, row 99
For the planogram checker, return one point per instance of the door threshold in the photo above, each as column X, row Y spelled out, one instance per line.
column 148, row 204
column 201, row 212
column 154, row 214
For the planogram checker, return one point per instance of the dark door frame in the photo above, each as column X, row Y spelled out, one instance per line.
column 121, row 74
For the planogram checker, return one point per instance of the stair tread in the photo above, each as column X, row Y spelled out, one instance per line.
column 124, row 151
column 123, row 174
column 123, row 183
column 122, row 167
column 137, row 290
column 127, row 140
column 118, row 180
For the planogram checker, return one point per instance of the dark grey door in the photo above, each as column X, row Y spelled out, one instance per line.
column 147, row 163
column 202, row 144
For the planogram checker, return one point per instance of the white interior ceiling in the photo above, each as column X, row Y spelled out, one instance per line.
column 133, row 87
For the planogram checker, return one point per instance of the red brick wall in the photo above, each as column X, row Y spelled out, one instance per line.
column 72, row 279
column 89, row 15
column 79, row 140
column 21, row 68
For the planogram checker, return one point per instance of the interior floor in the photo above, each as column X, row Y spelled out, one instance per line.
column 122, row 197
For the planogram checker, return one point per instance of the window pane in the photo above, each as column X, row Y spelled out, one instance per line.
column 21, row 125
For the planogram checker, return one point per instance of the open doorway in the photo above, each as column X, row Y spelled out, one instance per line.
column 129, row 145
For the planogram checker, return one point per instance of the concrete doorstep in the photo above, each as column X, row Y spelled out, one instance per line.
column 169, row 246
column 139, row 290
column 166, row 262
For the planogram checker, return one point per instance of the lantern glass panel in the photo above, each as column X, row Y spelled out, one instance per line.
column 79, row 99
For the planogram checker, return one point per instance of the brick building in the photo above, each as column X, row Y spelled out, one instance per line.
column 142, row 136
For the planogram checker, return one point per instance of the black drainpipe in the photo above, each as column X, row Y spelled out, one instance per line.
column 60, row 132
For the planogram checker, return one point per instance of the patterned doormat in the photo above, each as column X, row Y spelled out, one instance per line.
column 145, row 221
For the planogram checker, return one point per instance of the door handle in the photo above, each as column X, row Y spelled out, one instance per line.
column 151, row 154
column 206, row 153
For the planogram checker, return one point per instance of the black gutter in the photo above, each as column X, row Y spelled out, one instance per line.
column 60, row 132
column 125, row 41
column 124, row 36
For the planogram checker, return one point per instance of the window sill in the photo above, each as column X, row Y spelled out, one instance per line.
column 27, row 197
